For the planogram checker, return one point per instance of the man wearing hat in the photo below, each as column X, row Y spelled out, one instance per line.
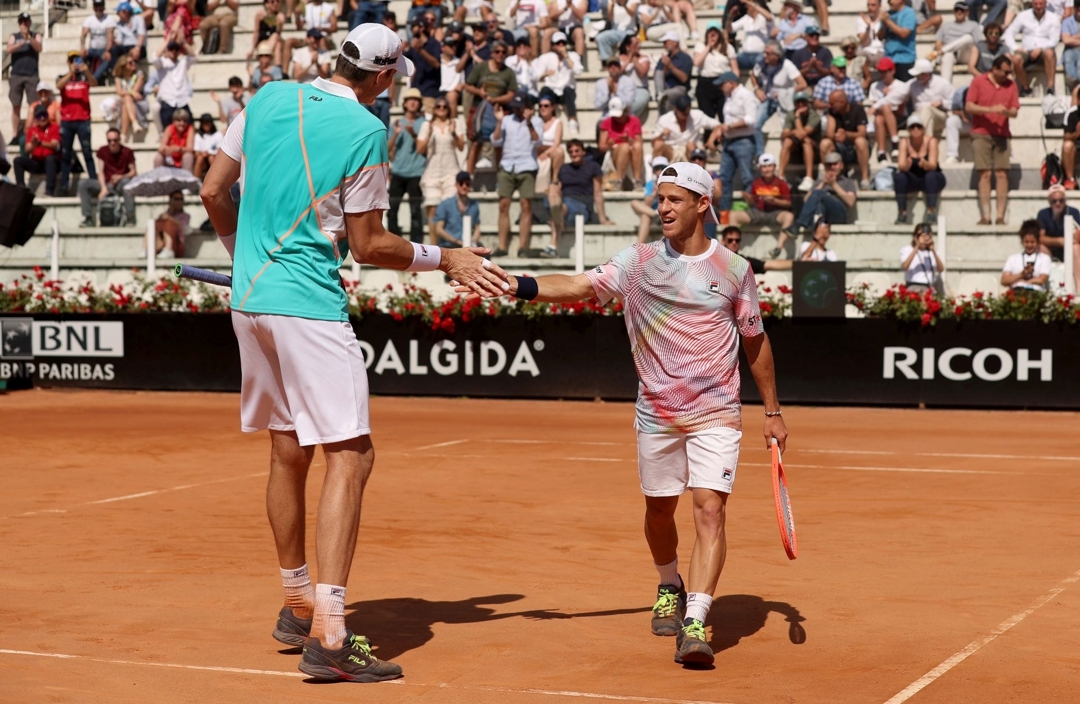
column 620, row 134
column 556, row 75
column 74, row 87
column 679, row 131
column 46, row 98
column 220, row 15
column 99, row 28
column 315, row 188
column 450, row 214
column 930, row 97
column 769, row 197
column 792, row 28
column 688, row 302
column 129, row 33
column 42, row 151
column 735, row 136
column 673, row 71
column 23, row 47
column 857, row 64
column 407, row 167
column 265, row 70
column 837, row 79
column 955, row 39
column 888, row 107
column 800, row 135
column 312, row 61
column 813, row 60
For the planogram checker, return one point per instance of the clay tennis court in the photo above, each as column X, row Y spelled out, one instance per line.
column 501, row 557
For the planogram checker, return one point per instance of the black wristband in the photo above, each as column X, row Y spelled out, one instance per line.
column 527, row 288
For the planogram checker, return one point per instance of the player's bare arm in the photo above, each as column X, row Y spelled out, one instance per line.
column 759, row 354
column 555, row 288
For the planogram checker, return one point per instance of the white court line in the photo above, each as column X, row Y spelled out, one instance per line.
column 917, row 470
column 440, row 444
column 972, row 647
column 1050, row 458
column 279, row 673
column 555, row 442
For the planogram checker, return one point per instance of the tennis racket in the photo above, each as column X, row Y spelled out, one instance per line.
column 185, row 271
column 783, row 504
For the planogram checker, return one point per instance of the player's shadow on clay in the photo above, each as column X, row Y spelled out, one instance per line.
column 737, row 616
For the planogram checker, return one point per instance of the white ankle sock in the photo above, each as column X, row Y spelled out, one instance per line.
column 697, row 605
column 669, row 573
column 299, row 594
column 329, row 620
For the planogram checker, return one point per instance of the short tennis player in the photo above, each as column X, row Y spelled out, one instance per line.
column 687, row 301
column 313, row 166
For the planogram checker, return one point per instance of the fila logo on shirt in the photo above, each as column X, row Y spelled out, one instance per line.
column 714, row 287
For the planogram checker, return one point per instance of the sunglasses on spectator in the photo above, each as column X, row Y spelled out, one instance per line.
column 112, row 141
column 1057, row 200
column 498, row 51
column 915, row 127
column 732, row 240
column 442, row 106
column 545, row 105
column 558, row 43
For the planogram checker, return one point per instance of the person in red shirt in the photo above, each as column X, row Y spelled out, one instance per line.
column 770, row 203
column 620, row 133
column 117, row 168
column 992, row 100
column 177, row 146
column 74, row 87
column 43, row 145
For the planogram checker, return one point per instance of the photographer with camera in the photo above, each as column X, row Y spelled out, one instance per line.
column 920, row 261
column 1031, row 268
column 23, row 47
column 74, row 87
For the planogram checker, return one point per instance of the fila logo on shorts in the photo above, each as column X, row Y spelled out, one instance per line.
column 714, row 287
column 727, row 474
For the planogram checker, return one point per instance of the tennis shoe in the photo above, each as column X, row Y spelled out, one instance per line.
column 352, row 662
column 691, row 645
column 290, row 628
column 669, row 610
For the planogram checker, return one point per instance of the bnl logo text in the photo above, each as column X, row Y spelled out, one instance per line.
column 962, row 363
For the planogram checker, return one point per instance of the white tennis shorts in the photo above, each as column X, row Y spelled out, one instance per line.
column 303, row 375
column 669, row 463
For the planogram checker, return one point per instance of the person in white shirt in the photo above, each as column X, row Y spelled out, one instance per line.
column 1042, row 32
column 888, row 102
column 867, row 27
column 621, row 19
column 737, row 134
column 174, row 86
column 556, row 74
column 452, row 76
column 930, row 96
column 521, row 63
column 568, row 17
column 129, row 33
column 678, row 132
column 311, row 61
column 1031, row 268
column 99, row 28
column 207, row 143
column 615, row 84
column 528, row 17
column 920, row 261
column 756, row 25
column 814, row 250
column 322, row 16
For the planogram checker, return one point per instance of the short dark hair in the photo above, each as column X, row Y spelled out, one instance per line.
column 350, row 72
column 1030, row 227
column 111, row 130
column 993, row 25
column 575, row 143
column 1002, row 60
column 236, row 82
column 731, row 229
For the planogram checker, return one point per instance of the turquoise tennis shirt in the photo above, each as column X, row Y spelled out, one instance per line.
column 309, row 153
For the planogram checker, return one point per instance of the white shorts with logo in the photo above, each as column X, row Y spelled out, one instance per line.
column 669, row 463
column 303, row 375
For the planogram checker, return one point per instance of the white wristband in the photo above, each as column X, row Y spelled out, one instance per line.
column 425, row 257
column 229, row 242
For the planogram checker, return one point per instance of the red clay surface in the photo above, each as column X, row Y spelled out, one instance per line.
column 501, row 557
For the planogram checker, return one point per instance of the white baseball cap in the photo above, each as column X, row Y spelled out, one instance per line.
column 380, row 48
column 42, row 85
column 670, row 36
column 693, row 178
column 558, row 37
column 921, row 66
column 616, row 107
column 659, row 161
column 766, row 160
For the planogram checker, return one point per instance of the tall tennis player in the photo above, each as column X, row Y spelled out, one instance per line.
column 312, row 162
column 687, row 301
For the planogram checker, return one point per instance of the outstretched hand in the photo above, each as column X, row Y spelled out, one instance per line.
column 471, row 273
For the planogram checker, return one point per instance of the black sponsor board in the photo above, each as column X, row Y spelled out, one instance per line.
column 989, row 364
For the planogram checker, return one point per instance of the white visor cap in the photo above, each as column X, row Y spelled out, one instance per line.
column 693, row 178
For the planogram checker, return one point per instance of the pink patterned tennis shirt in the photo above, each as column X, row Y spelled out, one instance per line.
column 684, row 316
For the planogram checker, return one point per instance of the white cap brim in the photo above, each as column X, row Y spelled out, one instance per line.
column 694, row 179
column 617, row 112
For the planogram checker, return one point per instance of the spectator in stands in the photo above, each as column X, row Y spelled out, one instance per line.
column 494, row 84
column 117, row 164
column 737, row 134
column 711, row 58
column 930, row 96
column 177, row 147
column 918, row 170
column 845, row 134
column 868, row 29
column 755, row 25
column 981, row 57
column 958, row 122
column 954, row 40
column 440, row 141
column 425, row 52
column 814, row 249
column 857, row 66
column 265, row 70
column 775, row 80
column 813, row 60
column 927, row 15
column 673, row 71
column 838, row 79
column 645, row 209
column 321, row 15
column 172, row 227
column 42, row 151
column 657, row 18
column 452, row 75
column 1042, row 32
column 470, row 10
column 620, row 17
column 800, row 135
column 522, row 63
column 207, row 144
column 888, row 107
column 792, row 28
column 992, row 100
column 221, row 15
column 24, row 48
column 230, row 107
column 994, row 13
column 74, row 87
column 1052, row 224
column 731, row 237
column 769, row 197
column 530, row 17
column 620, row 134
column 180, row 24
column 132, row 103
column 407, row 166
column 1070, row 57
column 680, row 131
column 615, row 85
column 637, row 68
column 556, row 75
column 831, row 197
column 129, row 33
column 898, row 32
column 45, row 97
column 174, row 86
column 99, row 28
column 549, row 155
column 1029, row 269
column 579, row 190
column 269, row 21
column 450, row 214
column 311, row 61
column 920, row 261
column 518, row 133
column 567, row 17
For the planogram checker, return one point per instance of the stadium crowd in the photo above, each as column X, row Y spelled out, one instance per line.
column 489, row 93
